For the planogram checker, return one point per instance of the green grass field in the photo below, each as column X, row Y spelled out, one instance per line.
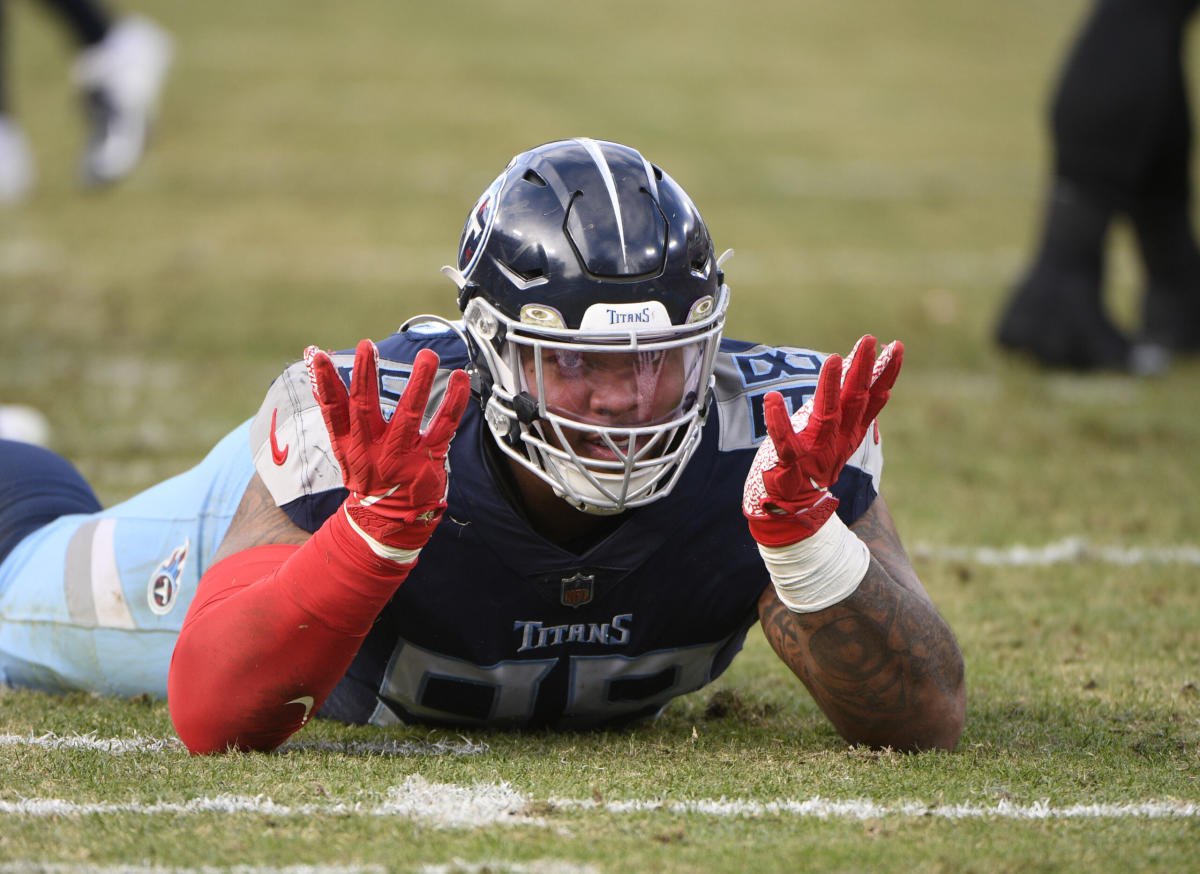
column 878, row 168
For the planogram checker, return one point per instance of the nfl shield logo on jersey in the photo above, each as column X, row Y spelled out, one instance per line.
column 578, row 590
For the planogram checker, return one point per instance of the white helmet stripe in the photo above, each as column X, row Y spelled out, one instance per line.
column 651, row 180
column 593, row 149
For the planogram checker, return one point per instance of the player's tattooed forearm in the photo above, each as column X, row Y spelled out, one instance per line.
column 870, row 655
column 880, row 535
column 783, row 632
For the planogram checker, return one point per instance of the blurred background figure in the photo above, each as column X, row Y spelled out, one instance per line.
column 120, row 70
column 23, row 424
column 1122, row 136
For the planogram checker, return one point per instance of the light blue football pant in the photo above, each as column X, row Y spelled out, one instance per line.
column 95, row 602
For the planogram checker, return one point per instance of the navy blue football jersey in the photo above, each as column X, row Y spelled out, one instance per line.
column 497, row 625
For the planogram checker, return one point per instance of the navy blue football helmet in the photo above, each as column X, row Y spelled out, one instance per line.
column 584, row 266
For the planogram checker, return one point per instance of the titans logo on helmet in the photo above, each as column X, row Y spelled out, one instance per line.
column 478, row 226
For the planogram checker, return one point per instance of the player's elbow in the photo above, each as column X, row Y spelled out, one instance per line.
column 933, row 719
column 938, row 728
column 936, row 724
column 944, row 710
column 939, row 706
column 200, row 735
column 210, row 716
column 205, row 731
column 940, row 731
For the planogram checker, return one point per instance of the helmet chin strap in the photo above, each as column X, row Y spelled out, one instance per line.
column 524, row 406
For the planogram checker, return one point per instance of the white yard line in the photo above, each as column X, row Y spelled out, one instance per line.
column 1071, row 550
column 538, row 866
column 462, row 747
column 138, row 744
column 825, row 808
column 52, row 741
column 458, row 866
column 66, row 868
column 443, row 805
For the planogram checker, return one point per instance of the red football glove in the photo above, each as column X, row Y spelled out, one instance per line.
column 787, row 496
column 396, row 474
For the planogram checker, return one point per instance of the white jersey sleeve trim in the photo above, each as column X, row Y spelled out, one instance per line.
column 291, row 449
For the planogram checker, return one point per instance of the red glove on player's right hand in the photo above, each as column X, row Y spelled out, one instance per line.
column 396, row 474
column 787, row 494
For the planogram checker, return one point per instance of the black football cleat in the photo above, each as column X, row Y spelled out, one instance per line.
column 1058, row 320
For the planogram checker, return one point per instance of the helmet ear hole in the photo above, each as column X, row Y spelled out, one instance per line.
column 529, row 263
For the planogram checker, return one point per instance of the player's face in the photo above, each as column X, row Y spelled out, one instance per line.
column 610, row 389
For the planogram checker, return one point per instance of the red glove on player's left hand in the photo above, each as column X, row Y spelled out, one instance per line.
column 396, row 473
column 787, row 496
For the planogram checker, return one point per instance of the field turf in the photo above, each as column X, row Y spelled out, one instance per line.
column 878, row 167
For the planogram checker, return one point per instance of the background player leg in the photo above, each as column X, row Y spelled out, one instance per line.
column 36, row 487
column 120, row 72
column 1114, row 120
column 1162, row 213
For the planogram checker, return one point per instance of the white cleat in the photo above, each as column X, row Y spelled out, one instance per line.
column 16, row 163
column 122, row 79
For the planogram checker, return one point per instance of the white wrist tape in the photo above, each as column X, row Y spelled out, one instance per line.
column 391, row 553
column 820, row 570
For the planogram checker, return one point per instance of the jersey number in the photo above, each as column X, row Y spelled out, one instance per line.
column 600, row 688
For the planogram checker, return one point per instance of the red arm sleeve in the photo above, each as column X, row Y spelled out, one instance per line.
column 271, row 631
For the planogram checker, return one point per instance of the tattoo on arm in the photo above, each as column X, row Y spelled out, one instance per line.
column 876, row 529
column 258, row 522
column 881, row 653
column 844, row 656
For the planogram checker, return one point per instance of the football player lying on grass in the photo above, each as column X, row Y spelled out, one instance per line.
column 625, row 494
